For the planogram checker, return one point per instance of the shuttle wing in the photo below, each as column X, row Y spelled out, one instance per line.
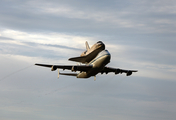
column 68, row 67
column 84, row 59
column 117, row 71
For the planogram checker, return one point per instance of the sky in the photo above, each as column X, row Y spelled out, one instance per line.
column 139, row 34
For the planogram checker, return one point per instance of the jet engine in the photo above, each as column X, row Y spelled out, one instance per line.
column 117, row 71
column 129, row 73
column 53, row 68
column 74, row 68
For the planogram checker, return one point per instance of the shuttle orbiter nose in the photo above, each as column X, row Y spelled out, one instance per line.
column 100, row 44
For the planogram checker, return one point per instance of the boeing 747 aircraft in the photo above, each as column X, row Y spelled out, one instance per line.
column 95, row 60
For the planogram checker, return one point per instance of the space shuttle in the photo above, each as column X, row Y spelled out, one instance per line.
column 90, row 53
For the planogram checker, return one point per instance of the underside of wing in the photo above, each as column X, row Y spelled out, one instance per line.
column 117, row 71
column 68, row 67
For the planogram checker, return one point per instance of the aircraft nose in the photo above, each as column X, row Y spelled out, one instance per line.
column 100, row 44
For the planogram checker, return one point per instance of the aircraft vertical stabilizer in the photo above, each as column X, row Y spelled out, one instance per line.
column 87, row 46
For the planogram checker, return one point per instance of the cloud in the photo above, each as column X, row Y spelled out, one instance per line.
column 138, row 34
column 52, row 45
column 50, row 38
column 48, row 46
column 64, row 16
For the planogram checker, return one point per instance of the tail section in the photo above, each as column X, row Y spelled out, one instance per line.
column 87, row 46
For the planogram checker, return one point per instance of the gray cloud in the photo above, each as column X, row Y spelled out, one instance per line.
column 143, row 23
column 33, row 49
column 144, row 31
column 5, row 38
column 115, row 16
column 50, row 45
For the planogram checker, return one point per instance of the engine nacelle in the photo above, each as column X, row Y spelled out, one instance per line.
column 117, row 71
column 74, row 68
column 129, row 73
column 53, row 68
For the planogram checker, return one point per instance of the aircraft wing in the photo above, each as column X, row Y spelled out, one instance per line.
column 68, row 67
column 117, row 71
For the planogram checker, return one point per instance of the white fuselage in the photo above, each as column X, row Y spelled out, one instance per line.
column 98, row 63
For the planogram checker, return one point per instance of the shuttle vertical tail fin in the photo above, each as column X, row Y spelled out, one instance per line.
column 87, row 46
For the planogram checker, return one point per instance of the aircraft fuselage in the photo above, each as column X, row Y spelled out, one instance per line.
column 99, row 62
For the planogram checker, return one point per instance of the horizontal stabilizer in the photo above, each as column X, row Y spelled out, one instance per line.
column 44, row 65
column 69, row 74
